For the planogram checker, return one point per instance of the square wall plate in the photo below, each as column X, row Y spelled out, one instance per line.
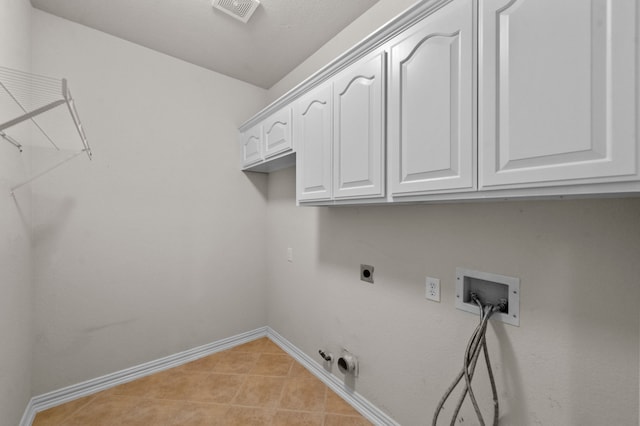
column 490, row 288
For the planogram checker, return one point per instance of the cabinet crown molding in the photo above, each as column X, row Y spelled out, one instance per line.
column 379, row 37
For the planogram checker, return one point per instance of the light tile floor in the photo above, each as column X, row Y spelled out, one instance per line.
column 252, row 384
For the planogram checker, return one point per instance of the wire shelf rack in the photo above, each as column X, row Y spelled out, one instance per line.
column 39, row 113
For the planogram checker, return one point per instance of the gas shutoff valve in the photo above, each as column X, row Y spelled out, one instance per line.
column 326, row 356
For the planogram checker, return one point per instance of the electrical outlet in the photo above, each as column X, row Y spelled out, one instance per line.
column 290, row 255
column 432, row 291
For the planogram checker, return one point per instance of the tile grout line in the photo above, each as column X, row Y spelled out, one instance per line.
column 284, row 386
column 74, row 412
column 246, row 376
column 324, row 406
column 235, row 395
column 276, row 408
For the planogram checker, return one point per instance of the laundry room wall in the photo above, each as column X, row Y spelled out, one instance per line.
column 574, row 358
column 15, row 232
column 157, row 245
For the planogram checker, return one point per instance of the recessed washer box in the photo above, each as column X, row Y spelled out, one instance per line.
column 490, row 288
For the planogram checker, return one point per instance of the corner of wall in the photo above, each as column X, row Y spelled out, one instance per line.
column 16, row 304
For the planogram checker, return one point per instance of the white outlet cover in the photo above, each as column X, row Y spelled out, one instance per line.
column 432, row 289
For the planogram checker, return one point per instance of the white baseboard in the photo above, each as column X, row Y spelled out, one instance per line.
column 29, row 414
column 61, row 396
column 357, row 401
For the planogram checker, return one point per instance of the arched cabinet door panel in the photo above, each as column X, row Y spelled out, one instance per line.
column 558, row 83
column 251, row 143
column 358, row 129
column 431, row 108
column 277, row 133
column 313, row 136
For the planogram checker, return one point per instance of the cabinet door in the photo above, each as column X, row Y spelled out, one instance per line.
column 557, row 92
column 277, row 133
column 250, row 142
column 431, row 105
column 358, row 145
column 313, row 141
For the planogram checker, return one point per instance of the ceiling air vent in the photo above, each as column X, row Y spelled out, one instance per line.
column 239, row 9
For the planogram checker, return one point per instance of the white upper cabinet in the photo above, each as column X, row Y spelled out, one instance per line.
column 251, row 145
column 313, row 135
column 431, row 109
column 267, row 145
column 463, row 100
column 358, row 129
column 277, row 135
column 558, row 87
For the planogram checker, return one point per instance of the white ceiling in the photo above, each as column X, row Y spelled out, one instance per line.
column 278, row 37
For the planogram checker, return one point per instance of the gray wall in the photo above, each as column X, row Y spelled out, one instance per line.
column 157, row 245
column 574, row 359
column 15, row 240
